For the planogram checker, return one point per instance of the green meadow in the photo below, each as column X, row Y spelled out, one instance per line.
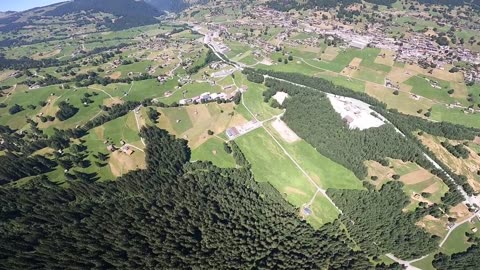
column 270, row 164
column 212, row 150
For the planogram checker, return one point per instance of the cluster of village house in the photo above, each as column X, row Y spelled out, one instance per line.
column 125, row 148
column 413, row 48
column 237, row 131
column 208, row 97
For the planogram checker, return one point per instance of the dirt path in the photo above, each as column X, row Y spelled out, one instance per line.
column 10, row 93
column 453, row 228
column 319, row 189
column 139, row 127
column 101, row 90
column 133, row 146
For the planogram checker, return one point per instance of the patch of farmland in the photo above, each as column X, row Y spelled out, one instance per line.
column 468, row 167
column 403, row 102
column 212, row 150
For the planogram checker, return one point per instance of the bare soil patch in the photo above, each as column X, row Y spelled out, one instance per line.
column 121, row 163
column 460, row 211
column 310, row 49
column 164, row 123
column 4, row 75
column 467, row 167
column 432, row 188
column 100, row 132
column 49, row 109
column 433, row 225
column 436, row 73
column 405, row 87
column 352, row 67
column 430, row 32
column 206, row 117
column 461, row 90
column 115, row 75
column 44, row 151
column 45, row 55
column 292, row 190
column 383, row 173
column 416, row 177
column 419, row 199
column 285, row 132
column 112, row 101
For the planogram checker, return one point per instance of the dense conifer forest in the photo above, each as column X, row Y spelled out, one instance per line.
column 173, row 215
column 377, row 223
column 313, row 118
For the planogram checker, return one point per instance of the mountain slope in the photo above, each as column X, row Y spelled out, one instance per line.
column 174, row 5
column 112, row 14
column 131, row 13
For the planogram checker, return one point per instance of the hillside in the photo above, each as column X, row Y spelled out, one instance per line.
column 111, row 14
column 174, row 5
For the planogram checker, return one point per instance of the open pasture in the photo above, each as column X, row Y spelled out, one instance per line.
column 193, row 122
column 270, row 164
column 212, row 150
column 325, row 172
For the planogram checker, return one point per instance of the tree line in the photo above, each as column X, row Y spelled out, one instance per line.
column 375, row 219
column 319, row 84
column 353, row 159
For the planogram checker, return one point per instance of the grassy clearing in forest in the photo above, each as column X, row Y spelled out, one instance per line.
column 270, row 164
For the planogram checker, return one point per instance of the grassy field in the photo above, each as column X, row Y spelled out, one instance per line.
column 351, row 83
column 415, row 179
column 123, row 128
column 253, row 99
column 212, row 150
column 236, row 49
column 178, row 119
column 270, row 164
column 294, row 66
column 196, row 120
column 24, row 97
column 84, row 114
column 423, row 88
column 457, row 241
column 368, row 56
column 148, row 89
column 139, row 67
column 425, row 263
column 403, row 102
column 325, row 172
column 455, row 115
